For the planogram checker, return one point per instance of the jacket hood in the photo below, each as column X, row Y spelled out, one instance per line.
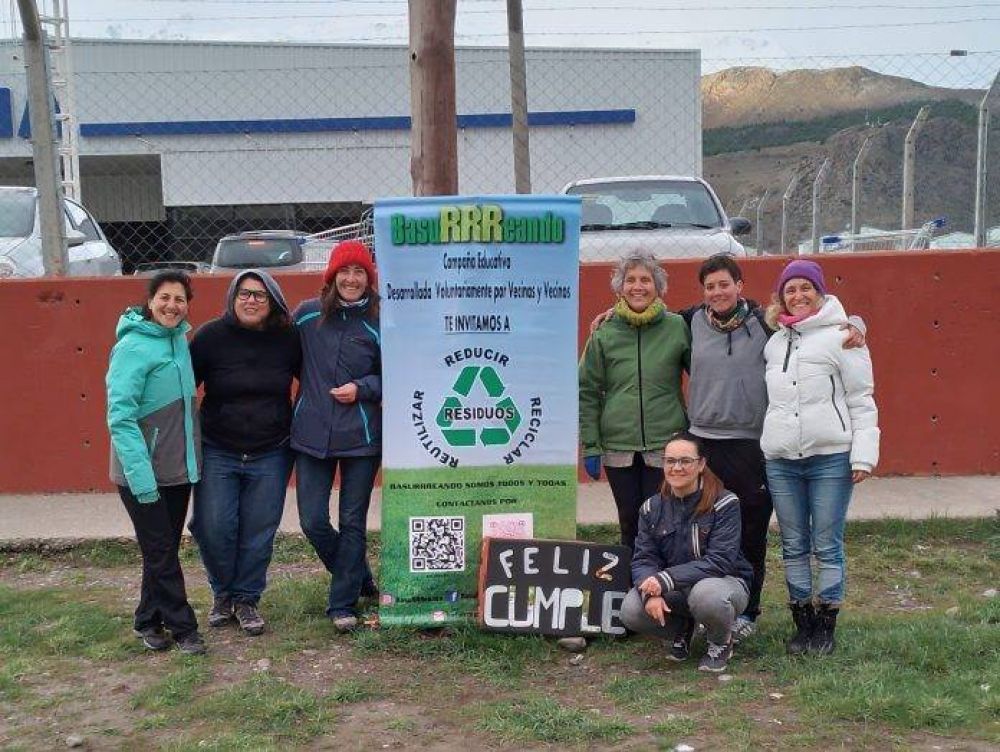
column 133, row 321
column 273, row 288
column 831, row 313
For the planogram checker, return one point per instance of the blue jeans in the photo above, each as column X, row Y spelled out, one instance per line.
column 237, row 510
column 342, row 551
column 810, row 498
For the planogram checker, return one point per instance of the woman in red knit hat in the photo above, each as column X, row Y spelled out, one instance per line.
column 338, row 421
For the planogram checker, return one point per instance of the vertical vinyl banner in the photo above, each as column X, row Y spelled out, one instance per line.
column 479, row 328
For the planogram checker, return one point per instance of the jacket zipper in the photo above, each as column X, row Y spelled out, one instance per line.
column 152, row 443
column 788, row 353
column 642, row 418
column 833, row 399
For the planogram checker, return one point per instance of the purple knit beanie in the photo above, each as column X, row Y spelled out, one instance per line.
column 803, row 269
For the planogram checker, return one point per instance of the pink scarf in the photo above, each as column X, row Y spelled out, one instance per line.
column 787, row 319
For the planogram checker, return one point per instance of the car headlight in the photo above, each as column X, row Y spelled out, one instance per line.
column 7, row 268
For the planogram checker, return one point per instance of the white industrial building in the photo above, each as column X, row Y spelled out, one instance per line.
column 183, row 141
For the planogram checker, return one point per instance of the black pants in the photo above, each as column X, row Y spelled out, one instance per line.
column 739, row 463
column 631, row 486
column 163, row 600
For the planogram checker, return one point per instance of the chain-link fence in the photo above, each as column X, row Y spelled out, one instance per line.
column 182, row 143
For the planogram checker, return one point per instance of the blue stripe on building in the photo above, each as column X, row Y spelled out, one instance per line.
column 325, row 125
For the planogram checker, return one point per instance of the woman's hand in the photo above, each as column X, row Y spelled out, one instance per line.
column 650, row 587
column 657, row 609
column 855, row 338
column 859, row 476
column 346, row 393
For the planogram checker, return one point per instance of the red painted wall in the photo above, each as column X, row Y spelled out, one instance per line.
column 930, row 319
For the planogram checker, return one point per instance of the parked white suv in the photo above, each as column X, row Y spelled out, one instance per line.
column 90, row 253
column 670, row 215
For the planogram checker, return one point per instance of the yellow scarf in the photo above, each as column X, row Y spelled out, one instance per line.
column 651, row 314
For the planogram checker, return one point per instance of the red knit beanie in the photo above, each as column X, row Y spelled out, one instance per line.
column 349, row 252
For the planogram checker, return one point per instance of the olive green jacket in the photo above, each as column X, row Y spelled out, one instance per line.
column 630, row 384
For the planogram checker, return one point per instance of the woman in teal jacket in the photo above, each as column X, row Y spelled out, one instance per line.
column 155, row 451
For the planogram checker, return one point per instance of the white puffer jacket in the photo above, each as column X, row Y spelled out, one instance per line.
column 820, row 396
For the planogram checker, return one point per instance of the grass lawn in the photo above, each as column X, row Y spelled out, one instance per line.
column 917, row 666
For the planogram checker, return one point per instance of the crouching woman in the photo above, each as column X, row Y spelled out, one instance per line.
column 687, row 561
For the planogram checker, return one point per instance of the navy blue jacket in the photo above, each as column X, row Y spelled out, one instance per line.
column 338, row 349
column 681, row 548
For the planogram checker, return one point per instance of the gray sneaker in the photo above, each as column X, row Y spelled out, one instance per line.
column 221, row 613
column 153, row 638
column 716, row 658
column 344, row 623
column 192, row 644
column 249, row 618
column 743, row 628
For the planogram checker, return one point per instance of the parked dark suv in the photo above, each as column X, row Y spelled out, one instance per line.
column 266, row 249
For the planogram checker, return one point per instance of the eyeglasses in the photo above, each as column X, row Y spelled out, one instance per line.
column 682, row 462
column 259, row 296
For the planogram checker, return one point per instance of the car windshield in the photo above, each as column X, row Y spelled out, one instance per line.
column 646, row 204
column 246, row 253
column 17, row 214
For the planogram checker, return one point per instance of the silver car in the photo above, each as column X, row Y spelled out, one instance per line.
column 90, row 253
column 670, row 215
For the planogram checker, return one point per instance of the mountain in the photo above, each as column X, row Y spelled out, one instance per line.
column 747, row 95
column 762, row 128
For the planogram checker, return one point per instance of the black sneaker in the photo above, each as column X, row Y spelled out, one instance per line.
column 221, row 613
column 153, row 638
column 249, row 618
column 192, row 644
column 716, row 658
column 681, row 647
column 679, row 650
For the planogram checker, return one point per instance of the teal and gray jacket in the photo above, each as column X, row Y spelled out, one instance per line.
column 152, row 418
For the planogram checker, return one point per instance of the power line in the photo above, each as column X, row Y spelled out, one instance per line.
column 636, row 32
column 556, row 9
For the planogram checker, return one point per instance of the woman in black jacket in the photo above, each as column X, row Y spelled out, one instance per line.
column 687, row 563
column 246, row 360
column 338, row 422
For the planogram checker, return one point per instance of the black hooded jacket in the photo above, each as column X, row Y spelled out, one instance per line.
column 247, row 375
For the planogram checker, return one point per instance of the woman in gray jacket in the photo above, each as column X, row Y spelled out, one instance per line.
column 820, row 438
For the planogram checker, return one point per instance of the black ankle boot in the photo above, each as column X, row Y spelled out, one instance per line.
column 822, row 642
column 805, row 622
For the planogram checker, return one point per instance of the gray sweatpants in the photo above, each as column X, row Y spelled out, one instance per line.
column 714, row 602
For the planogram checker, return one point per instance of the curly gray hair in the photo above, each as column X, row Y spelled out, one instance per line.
column 645, row 259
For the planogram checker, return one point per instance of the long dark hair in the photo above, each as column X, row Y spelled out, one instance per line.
column 330, row 303
column 711, row 486
column 162, row 278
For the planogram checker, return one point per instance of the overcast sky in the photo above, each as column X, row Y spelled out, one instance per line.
column 882, row 34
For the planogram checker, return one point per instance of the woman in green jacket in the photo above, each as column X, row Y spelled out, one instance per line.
column 630, row 388
column 155, row 450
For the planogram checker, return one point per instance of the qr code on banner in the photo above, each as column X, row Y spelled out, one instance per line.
column 437, row 544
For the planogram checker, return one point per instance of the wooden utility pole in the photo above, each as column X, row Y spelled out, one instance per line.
column 45, row 154
column 434, row 133
column 518, row 97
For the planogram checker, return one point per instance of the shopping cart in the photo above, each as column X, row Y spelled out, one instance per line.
column 892, row 240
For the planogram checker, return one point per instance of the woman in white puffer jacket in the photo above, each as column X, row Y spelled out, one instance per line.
column 820, row 438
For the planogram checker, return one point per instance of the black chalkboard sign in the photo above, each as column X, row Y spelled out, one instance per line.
column 564, row 588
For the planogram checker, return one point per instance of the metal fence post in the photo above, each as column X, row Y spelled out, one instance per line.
column 856, row 183
column 979, row 225
column 909, row 160
column 43, row 143
column 817, row 183
column 785, row 199
column 760, row 226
